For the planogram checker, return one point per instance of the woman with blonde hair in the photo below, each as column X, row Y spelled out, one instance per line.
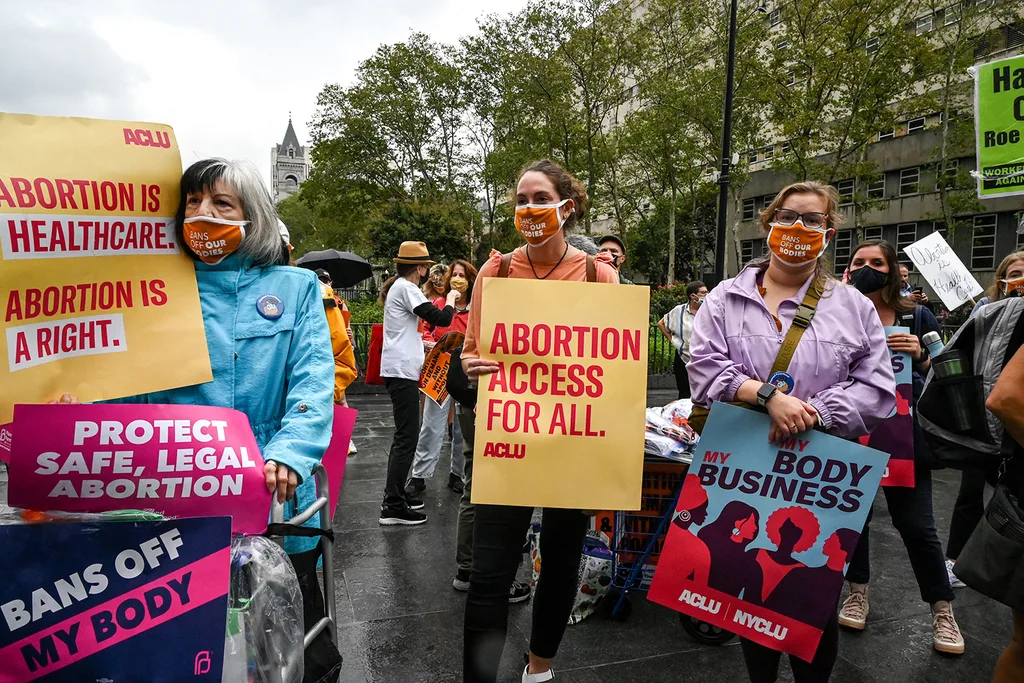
column 784, row 337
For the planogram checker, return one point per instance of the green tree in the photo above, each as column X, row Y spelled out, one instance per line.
column 442, row 226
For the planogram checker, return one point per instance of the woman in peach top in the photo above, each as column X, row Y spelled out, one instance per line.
column 549, row 201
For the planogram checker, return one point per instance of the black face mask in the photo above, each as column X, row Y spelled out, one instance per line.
column 867, row 279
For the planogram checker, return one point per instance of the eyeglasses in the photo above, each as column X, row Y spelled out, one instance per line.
column 814, row 219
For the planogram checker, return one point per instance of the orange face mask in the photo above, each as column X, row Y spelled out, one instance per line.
column 1009, row 287
column 213, row 239
column 796, row 245
column 538, row 223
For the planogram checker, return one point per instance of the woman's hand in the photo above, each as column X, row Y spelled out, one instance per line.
column 452, row 297
column 475, row 367
column 905, row 343
column 428, row 345
column 279, row 477
column 790, row 416
column 66, row 399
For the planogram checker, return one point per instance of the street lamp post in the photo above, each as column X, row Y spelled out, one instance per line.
column 723, row 178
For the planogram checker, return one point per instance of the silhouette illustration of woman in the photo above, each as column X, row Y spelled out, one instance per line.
column 733, row 567
column 791, row 530
column 823, row 583
column 692, row 510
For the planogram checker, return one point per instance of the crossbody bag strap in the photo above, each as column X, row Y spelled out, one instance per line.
column 506, row 261
column 801, row 321
column 591, row 268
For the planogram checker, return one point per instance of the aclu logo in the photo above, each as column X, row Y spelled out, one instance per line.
column 516, row 451
column 147, row 138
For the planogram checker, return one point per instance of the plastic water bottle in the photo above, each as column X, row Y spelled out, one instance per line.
column 933, row 342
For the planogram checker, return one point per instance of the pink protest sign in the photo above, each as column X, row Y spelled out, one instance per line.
column 178, row 460
column 337, row 452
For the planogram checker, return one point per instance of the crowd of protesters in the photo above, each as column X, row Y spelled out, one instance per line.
column 280, row 348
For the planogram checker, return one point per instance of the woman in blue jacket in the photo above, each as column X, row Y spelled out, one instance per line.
column 269, row 345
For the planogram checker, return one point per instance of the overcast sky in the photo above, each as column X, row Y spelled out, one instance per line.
column 223, row 73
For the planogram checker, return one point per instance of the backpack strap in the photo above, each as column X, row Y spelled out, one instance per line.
column 506, row 261
column 801, row 321
column 591, row 268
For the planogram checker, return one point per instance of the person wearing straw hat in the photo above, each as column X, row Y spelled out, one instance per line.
column 405, row 311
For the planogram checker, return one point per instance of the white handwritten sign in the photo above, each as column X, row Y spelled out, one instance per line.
column 943, row 270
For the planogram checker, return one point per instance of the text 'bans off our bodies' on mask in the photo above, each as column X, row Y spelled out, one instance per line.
column 213, row 239
column 538, row 223
column 796, row 245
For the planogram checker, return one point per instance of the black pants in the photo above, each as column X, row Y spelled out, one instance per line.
column 911, row 511
column 499, row 532
column 321, row 659
column 763, row 663
column 682, row 378
column 967, row 511
column 405, row 403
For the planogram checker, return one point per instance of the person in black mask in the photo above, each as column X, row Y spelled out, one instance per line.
column 874, row 270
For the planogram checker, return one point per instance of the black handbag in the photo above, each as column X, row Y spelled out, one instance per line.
column 992, row 561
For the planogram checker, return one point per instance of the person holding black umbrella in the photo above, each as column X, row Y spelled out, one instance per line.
column 405, row 311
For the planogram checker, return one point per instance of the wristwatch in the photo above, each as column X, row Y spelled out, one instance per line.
column 765, row 393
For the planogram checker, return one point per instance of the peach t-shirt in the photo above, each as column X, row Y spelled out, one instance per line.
column 572, row 268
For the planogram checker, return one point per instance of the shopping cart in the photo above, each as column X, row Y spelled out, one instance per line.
column 636, row 540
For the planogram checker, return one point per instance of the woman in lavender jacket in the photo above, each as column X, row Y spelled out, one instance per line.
column 840, row 377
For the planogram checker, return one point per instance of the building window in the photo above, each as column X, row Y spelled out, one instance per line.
column 790, row 78
column 983, row 246
column 748, row 209
column 775, row 17
column 906, row 234
column 872, row 45
column 846, row 189
column 924, row 25
column 783, row 45
column 910, row 181
column 914, row 125
column 1020, row 241
column 1014, row 37
column 769, row 152
column 753, row 156
column 873, row 233
column 951, row 15
column 751, row 249
column 291, row 152
column 844, row 245
column 939, row 227
column 876, row 189
column 785, row 146
column 767, row 200
column 886, row 134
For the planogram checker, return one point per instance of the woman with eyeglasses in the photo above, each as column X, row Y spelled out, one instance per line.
column 839, row 377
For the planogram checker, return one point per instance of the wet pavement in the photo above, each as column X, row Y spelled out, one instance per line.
column 401, row 621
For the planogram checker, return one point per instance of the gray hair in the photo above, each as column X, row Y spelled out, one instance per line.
column 583, row 243
column 262, row 241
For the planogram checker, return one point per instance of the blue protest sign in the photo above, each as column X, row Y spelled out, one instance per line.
column 763, row 532
column 117, row 601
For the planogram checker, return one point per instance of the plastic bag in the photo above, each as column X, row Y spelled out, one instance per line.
column 263, row 643
column 595, row 573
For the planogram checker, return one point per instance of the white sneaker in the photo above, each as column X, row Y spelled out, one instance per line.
column 528, row 677
column 854, row 613
column 953, row 580
column 946, row 636
column 352, row 448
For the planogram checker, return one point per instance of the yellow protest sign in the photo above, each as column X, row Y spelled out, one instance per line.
column 562, row 423
column 98, row 298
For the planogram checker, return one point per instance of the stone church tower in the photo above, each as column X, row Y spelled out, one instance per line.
column 289, row 165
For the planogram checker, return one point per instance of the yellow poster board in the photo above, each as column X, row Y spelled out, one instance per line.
column 98, row 299
column 562, row 424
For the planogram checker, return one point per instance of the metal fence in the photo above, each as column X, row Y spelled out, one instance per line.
column 659, row 355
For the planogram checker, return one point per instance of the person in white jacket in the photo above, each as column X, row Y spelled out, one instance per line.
column 677, row 326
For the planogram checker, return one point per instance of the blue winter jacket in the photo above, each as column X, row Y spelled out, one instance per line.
column 278, row 372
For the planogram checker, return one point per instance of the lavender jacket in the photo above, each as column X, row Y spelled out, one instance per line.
column 841, row 365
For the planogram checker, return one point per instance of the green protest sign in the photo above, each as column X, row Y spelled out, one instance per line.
column 999, row 121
